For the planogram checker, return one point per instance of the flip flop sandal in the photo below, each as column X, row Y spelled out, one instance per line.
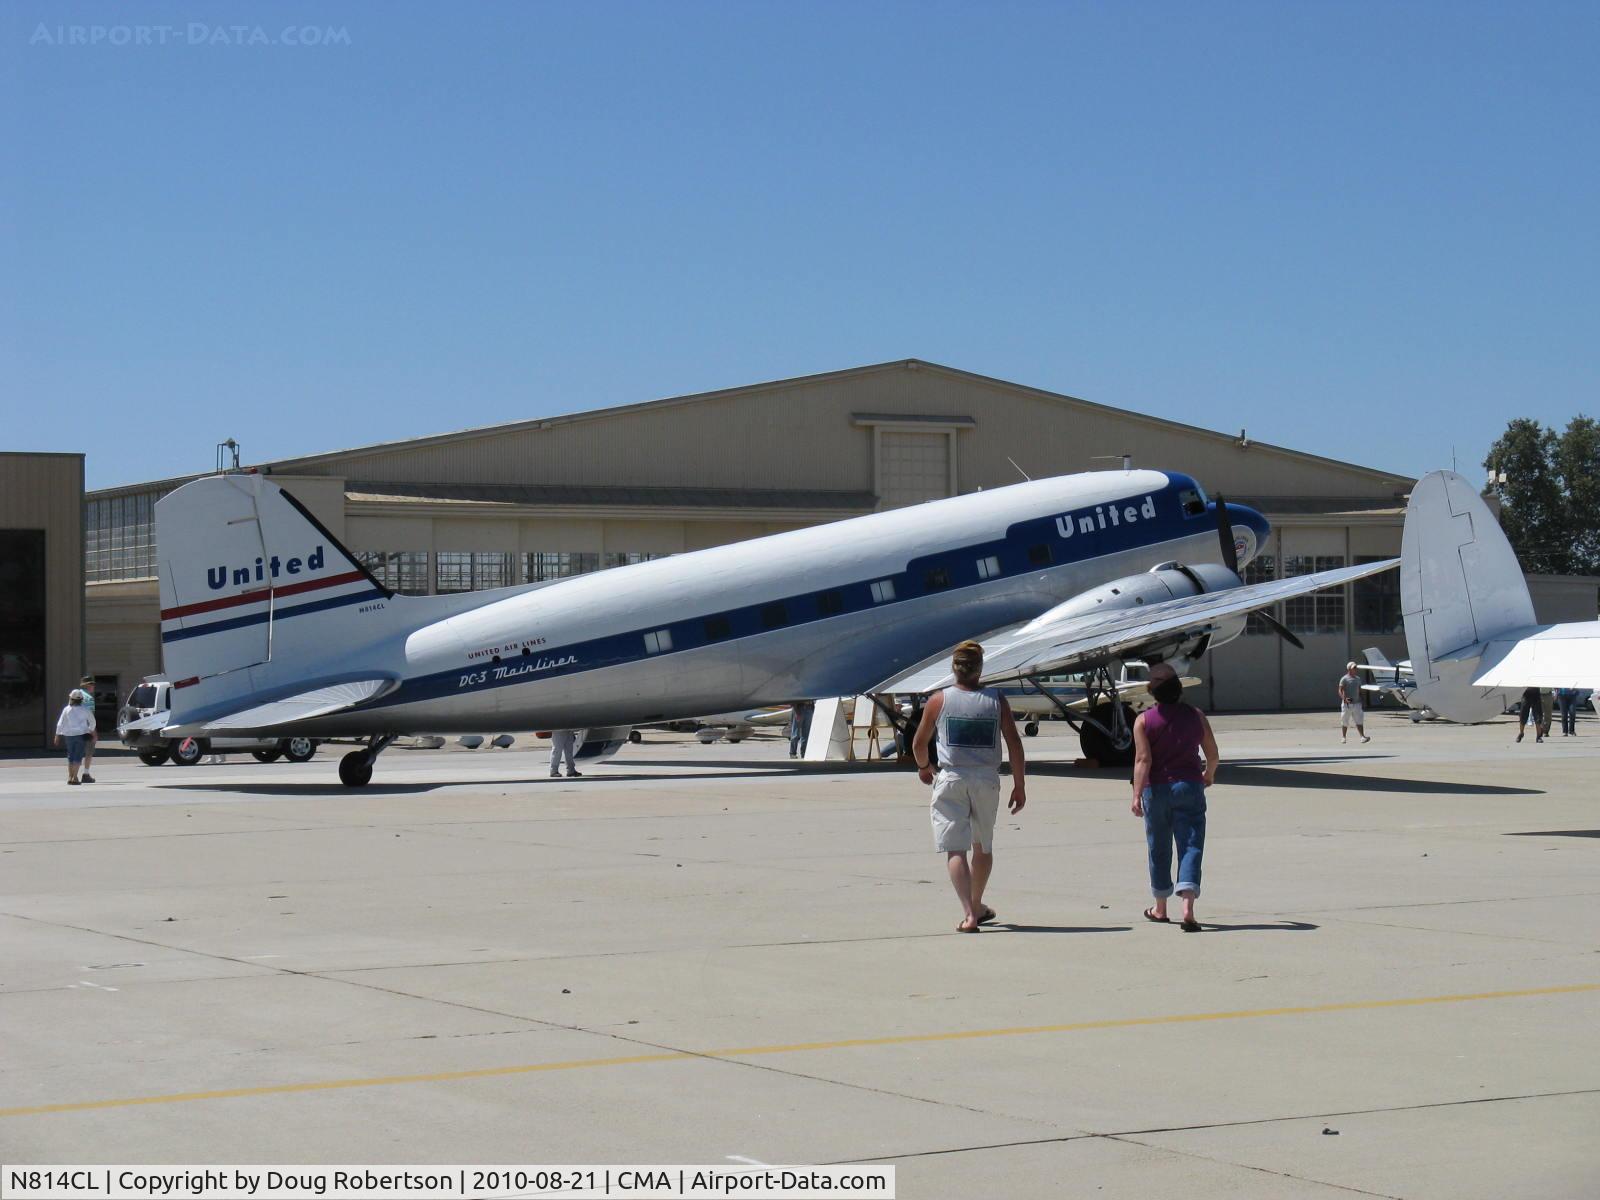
column 1150, row 915
column 1190, row 926
column 988, row 917
column 965, row 928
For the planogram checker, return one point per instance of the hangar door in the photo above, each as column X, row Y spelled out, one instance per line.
column 913, row 467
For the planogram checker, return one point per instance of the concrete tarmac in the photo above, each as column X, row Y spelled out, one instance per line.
column 706, row 954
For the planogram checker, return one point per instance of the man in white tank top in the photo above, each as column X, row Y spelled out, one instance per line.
column 970, row 721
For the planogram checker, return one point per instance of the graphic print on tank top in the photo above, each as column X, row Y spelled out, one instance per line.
column 972, row 733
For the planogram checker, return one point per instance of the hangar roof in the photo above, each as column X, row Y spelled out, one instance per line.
column 320, row 463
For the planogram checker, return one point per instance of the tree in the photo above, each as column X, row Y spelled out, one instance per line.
column 1550, row 500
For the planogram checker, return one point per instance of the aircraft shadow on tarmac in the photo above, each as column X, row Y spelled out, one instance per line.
column 536, row 779
column 1586, row 833
column 1008, row 927
column 1246, row 775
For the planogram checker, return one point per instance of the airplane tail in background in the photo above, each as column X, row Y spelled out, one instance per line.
column 1460, row 587
column 1376, row 658
column 265, row 616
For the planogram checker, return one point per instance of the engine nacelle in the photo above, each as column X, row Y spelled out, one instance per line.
column 1167, row 581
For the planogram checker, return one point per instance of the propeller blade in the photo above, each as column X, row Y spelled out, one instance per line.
column 1230, row 552
column 1279, row 628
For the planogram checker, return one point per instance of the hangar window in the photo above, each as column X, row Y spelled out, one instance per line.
column 774, row 616
column 883, row 591
column 540, row 565
column 989, row 568
column 1040, row 556
column 937, row 579
column 830, row 604
column 119, row 537
column 718, row 629
column 472, row 570
column 627, row 558
column 1377, row 600
column 404, row 572
column 1320, row 612
column 658, row 642
column 1261, row 569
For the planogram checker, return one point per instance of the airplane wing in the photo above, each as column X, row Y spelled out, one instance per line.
column 1053, row 645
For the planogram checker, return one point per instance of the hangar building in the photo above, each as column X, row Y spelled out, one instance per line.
column 539, row 499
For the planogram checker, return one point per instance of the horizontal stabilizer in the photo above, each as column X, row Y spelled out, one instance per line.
column 318, row 702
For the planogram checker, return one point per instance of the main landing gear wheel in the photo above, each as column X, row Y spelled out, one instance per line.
column 153, row 758
column 1031, row 729
column 298, row 749
column 1099, row 745
column 266, row 756
column 635, row 736
column 355, row 769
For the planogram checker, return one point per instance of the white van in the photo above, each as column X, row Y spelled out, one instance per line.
column 144, row 715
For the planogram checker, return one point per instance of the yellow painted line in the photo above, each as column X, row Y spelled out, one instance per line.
column 280, row 1089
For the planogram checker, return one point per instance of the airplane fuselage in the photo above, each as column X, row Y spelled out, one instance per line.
column 824, row 611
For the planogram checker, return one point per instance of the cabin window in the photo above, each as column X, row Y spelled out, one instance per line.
column 989, row 568
column 830, row 604
column 937, row 579
column 658, row 642
column 718, row 629
column 1040, row 556
column 774, row 616
column 1194, row 504
column 883, row 591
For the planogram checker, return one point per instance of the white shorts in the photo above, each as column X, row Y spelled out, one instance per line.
column 964, row 810
column 1350, row 714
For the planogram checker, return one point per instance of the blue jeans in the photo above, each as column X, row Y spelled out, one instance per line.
column 1175, row 813
column 1569, row 713
column 75, row 744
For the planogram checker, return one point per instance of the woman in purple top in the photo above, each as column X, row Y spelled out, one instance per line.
column 1169, row 790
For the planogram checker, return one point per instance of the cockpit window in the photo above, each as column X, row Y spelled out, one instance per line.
column 1193, row 501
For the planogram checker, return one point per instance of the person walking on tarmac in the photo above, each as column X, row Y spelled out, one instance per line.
column 1532, row 714
column 563, row 744
column 1350, row 712
column 971, row 721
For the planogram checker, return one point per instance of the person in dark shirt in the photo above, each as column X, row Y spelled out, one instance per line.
column 1169, row 791
column 1532, row 714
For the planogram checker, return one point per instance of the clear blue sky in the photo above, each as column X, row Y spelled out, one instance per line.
column 1366, row 230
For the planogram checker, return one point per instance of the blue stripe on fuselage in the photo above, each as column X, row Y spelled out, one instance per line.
column 1016, row 553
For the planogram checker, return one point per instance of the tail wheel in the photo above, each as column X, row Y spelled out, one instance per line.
column 266, row 756
column 153, row 758
column 1099, row 745
column 355, row 769
column 189, row 751
column 1031, row 729
column 298, row 749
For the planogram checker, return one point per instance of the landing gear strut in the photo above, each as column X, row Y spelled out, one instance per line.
column 355, row 768
column 1106, row 732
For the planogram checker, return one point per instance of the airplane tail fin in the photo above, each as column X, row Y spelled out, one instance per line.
column 1460, row 586
column 265, row 616
column 1376, row 657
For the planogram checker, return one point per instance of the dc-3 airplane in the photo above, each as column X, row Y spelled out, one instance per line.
column 270, row 625
column 1470, row 630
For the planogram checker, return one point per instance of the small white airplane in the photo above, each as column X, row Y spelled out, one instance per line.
column 269, row 625
column 1045, row 695
column 1394, row 680
column 1470, row 628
